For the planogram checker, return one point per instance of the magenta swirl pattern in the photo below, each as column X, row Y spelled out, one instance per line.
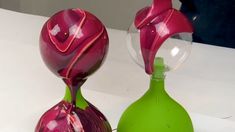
column 157, row 23
column 73, row 45
column 63, row 117
column 65, row 41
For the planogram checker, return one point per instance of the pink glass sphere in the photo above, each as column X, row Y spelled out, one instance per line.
column 73, row 44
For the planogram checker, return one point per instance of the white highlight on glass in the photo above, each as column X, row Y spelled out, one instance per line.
column 55, row 30
column 52, row 125
column 174, row 51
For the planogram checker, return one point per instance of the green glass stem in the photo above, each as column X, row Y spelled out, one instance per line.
column 80, row 101
column 156, row 111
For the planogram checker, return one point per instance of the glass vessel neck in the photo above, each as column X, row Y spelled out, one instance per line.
column 80, row 101
column 158, row 76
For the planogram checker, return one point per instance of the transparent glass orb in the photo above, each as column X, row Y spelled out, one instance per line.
column 174, row 50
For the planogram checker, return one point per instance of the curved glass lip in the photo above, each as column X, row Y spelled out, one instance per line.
column 130, row 48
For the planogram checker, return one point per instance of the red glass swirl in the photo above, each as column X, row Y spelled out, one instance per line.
column 73, row 45
column 64, row 117
column 156, row 24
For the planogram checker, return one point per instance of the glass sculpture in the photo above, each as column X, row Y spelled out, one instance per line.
column 159, row 40
column 73, row 45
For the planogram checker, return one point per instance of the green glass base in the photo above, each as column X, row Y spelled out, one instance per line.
column 80, row 101
column 156, row 111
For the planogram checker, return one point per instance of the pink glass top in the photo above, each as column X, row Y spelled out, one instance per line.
column 73, row 45
column 156, row 24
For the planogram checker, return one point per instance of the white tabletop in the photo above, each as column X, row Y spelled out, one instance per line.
column 205, row 84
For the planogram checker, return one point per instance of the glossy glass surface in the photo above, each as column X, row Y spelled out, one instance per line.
column 155, row 111
column 73, row 45
column 174, row 50
column 64, row 117
column 159, row 34
column 156, row 24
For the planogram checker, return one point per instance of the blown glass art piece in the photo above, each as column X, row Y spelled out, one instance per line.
column 159, row 40
column 73, row 45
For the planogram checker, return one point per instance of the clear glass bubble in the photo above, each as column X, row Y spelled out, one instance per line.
column 174, row 50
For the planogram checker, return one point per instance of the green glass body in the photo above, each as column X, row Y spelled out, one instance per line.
column 156, row 111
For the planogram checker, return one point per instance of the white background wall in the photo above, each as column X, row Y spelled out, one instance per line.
column 114, row 13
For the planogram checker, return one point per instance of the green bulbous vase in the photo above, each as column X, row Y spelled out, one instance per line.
column 156, row 111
